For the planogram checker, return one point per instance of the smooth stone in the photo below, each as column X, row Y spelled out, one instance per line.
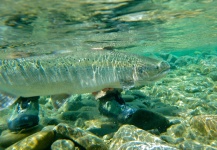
column 63, row 145
column 84, row 138
column 205, row 125
column 147, row 120
column 38, row 141
column 136, row 138
column 11, row 137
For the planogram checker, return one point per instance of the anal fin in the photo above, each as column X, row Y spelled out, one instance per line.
column 6, row 100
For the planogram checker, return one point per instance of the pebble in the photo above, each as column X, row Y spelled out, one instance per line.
column 84, row 138
column 63, row 145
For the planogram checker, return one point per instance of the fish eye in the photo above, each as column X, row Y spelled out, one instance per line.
column 157, row 67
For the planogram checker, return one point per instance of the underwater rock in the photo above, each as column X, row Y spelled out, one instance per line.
column 40, row 140
column 84, row 138
column 136, row 93
column 109, row 108
column 131, row 136
column 213, row 75
column 11, row 137
column 146, row 120
column 184, row 60
column 171, row 58
column 177, row 130
column 70, row 115
column 74, row 115
column 49, row 121
column 63, row 145
column 195, row 145
column 128, row 98
column 205, row 125
column 73, row 105
column 171, row 140
column 135, row 145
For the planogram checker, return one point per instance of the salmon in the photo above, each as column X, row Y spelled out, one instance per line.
column 75, row 72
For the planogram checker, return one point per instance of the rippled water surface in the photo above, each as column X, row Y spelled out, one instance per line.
column 137, row 26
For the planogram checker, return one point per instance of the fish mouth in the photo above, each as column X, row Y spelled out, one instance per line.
column 165, row 67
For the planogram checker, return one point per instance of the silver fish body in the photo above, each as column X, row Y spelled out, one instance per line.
column 76, row 73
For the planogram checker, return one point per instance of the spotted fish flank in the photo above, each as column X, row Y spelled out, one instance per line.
column 75, row 73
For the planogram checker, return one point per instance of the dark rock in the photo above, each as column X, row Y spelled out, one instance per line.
column 146, row 119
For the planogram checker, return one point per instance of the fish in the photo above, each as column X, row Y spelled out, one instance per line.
column 75, row 72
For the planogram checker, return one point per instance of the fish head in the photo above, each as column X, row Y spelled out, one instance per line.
column 150, row 70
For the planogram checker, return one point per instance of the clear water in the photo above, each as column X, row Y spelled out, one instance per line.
column 145, row 27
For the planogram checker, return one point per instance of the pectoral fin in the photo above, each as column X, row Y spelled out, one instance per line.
column 59, row 100
column 6, row 100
